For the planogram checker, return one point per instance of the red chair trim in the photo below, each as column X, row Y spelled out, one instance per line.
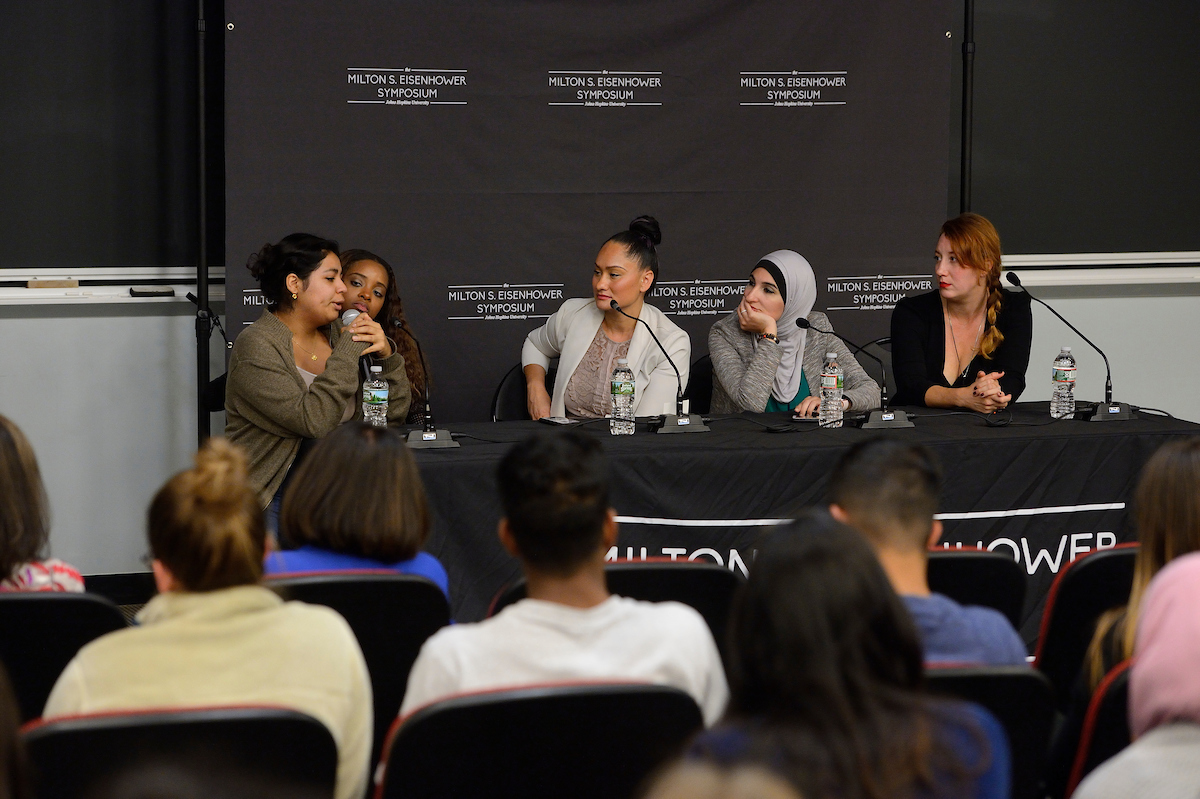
column 1052, row 598
column 1089, row 725
column 34, row 724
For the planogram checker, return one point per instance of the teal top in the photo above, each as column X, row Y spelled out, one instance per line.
column 775, row 406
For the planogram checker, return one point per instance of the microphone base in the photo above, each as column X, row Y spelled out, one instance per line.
column 880, row 420
column 690, row 423
column 1110, row 412
column 422, row 439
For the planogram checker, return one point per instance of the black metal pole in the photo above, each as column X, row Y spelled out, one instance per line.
column 968, row 90
column 203, row 318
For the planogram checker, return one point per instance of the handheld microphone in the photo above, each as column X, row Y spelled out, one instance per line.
column 1108, row 410
column 349, row 315
column 884, row 417
column 680, row 422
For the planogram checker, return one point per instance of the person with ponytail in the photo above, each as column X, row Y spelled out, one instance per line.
column 588, row 337
column 965, row 345
column 294, row 374
column 371, row 288
column 213, row 636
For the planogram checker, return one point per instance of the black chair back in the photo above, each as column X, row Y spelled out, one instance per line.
column 1081, row 593
column 72, row 756
column 977, row 577
column 584, row 741
column 700, row 385
column 881, row 348
column 1106, row 726
column 707, row 587
column 509, row 402
column 41, row 632
column 1021, row 699
column 391, row 614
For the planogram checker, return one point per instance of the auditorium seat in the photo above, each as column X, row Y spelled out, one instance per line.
column 973, row 576
column 707, row 587
column 509, row 402
column 391, row 614
column 1081, row 593
column 585, row 741
column 71, row 756
column 700, row 386
column 1106, row 726
column 41, row 632
column 1021, row 699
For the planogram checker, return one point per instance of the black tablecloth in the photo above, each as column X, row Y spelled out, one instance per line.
column 1042, row 490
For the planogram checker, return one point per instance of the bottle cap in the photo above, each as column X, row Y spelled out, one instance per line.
column 829, row 356
column 622, row 361
column 376, row 369
column 1066, row 349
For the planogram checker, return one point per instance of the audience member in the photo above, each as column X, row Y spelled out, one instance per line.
column 1164, row 696
column 357, row 503
column 213, row 636
column 14, row 768
column 558, row 523
column 889, row 492
column 25, row 521
column 706, row 781
column 826, row 681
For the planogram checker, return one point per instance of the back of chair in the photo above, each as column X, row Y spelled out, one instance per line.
column 700, row 385
column 1082, row 592
column 391, row 614
column 73, row 755
column 583, row 741
column 1106, row 726
column 1022, row 700
column 41, row 632
column 707, row 587
column 978, row 577
column 509, row 402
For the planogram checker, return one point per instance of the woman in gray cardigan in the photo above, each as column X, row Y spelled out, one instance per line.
column 762, row 360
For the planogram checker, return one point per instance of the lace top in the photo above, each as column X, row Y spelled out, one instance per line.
column 589, row 393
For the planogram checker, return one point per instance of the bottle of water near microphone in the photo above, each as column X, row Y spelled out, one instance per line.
column 1062, row 398
column 375, row 398
column 832, row 380
column 621, row 423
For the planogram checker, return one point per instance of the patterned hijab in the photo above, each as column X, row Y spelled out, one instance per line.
column 1164, row 683
column 799, row 290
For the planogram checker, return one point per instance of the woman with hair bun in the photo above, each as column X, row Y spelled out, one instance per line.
column 214, row 636
column 294, row 374
column 965, row 345
column 589, row 336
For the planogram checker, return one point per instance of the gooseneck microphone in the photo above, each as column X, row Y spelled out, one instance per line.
column 429, row 437
column 1109, row 410
column 884, row 417
column 680, row 422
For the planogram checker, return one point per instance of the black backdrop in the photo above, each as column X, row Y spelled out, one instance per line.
column 743, row 127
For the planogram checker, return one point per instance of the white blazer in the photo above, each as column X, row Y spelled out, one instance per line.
column 569, row 331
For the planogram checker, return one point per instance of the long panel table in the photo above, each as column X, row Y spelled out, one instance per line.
column 1044, row 491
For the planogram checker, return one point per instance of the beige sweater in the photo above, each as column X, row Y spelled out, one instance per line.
column 269, row 409
column 236, row 646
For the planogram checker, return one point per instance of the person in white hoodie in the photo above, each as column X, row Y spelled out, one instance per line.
column 589, row 336
column 558, row 523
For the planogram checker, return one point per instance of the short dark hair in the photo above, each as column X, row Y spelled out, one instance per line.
column 298, row 254
column 888, row 489
column 358, row 492
column 554, row 488
column 24, row 508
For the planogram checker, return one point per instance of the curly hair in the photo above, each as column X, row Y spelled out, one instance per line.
column 977, row 245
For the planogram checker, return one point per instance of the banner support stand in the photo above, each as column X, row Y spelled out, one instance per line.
column 968, row 91
column 204, row 323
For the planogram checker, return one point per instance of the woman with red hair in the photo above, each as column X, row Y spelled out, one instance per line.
column 965, row 345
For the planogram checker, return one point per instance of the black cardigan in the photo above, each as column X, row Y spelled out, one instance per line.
column 919, row 347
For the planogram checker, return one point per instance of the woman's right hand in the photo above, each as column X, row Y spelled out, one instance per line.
column 753, row 321
column 985, row 394
column 537, row 399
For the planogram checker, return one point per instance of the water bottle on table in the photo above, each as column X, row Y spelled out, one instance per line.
column 832, row 379
column 375, row 398
column 621, row 423
column 1062, row 400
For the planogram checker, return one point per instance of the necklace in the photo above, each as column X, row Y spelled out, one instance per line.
column 954, row 340
column 313, row 355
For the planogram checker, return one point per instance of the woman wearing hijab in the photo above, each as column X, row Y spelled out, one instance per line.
column 1164, row 695
column 762, row 361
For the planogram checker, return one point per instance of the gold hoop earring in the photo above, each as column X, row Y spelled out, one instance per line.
column 294, row 297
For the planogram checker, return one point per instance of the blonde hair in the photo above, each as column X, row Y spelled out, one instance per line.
column 205, row 524
column 24, row 508
column 977, row 244
column 1167, row 512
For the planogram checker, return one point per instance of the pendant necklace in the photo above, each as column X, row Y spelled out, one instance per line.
column 954, row 340
column 313, row 355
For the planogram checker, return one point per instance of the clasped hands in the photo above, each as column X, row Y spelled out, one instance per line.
column 985, row 394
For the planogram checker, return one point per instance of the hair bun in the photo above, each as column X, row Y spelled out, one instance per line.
column 647, row 226
column 220, row 474
column 260, row 261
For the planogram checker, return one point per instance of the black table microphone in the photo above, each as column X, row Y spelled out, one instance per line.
column 884, row 417
column 429, row 437
column 679, row 422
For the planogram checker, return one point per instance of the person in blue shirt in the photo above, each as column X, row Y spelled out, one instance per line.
column 357, row 502
column 889, row 492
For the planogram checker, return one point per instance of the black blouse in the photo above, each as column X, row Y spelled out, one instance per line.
column 919, row 347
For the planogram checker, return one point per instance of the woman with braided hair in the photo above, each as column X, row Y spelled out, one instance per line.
column 965, row 345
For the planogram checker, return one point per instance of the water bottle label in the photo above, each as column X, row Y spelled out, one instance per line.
column 375, row 396
column 1063, row 374
column 624, row 387
column 831, row 381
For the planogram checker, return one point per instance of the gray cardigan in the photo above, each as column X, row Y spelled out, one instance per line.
column 744, row 367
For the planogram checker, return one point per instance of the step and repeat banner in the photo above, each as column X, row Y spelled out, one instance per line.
column 487, row 150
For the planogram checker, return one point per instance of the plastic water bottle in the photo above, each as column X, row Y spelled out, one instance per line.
column 832, row 378
column 621, row 423
column 1062, row 400
column 375, row 398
